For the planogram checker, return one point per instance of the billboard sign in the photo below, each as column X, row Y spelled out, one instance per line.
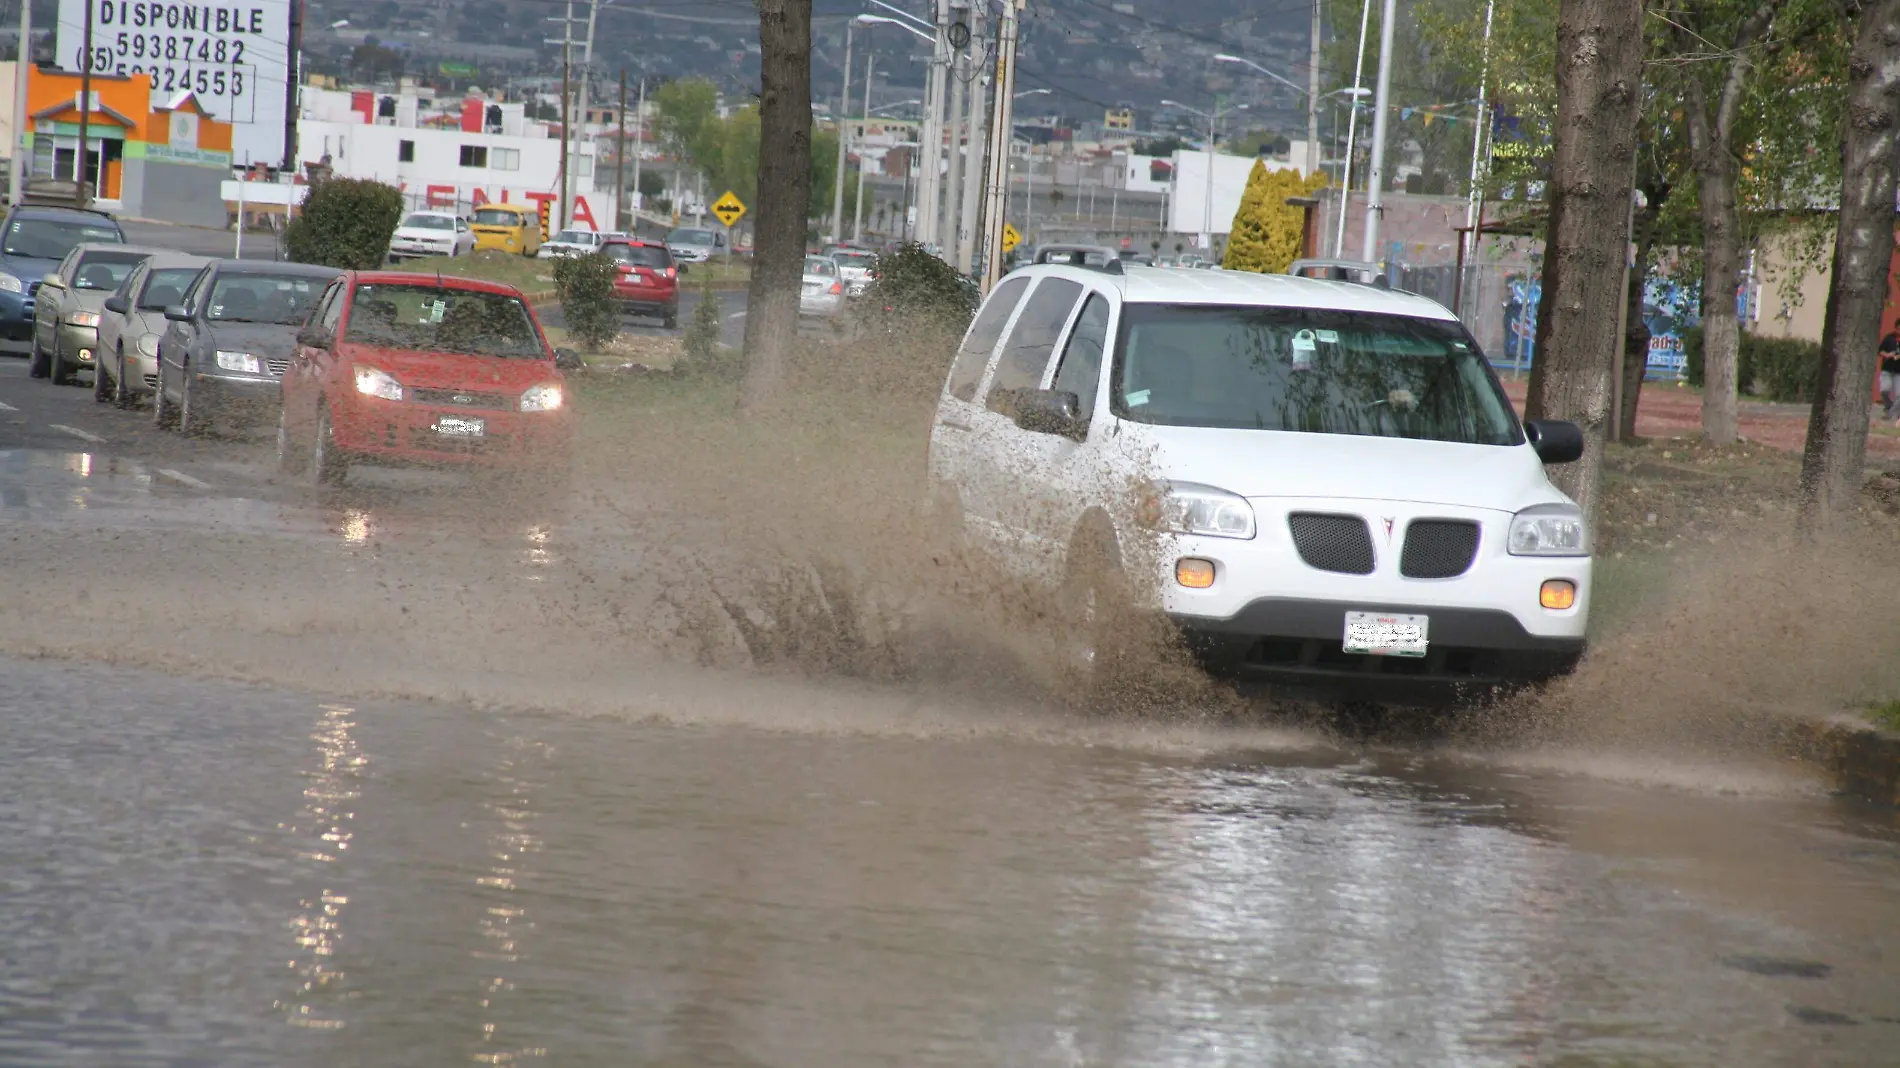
column 235, row 57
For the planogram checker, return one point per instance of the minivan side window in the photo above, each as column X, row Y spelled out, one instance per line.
column 1081, row 369
column 974, row 356
column 1026, row 354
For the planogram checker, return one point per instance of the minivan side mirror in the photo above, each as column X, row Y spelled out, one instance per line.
column 1049, row 411
column 1557, row 441
column 177, row 313
column 313, row 336
column 52, row 280
column 118, row 305
column 568, row 360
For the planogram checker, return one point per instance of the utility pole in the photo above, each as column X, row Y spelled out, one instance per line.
column 567, row 171
column 620, row 154
column 954, row 70
column 844, row 105
column 16, row 166
column 587, row 80
column 1002, row 123
column 928, row 183
column 969, row 219
column 85, row 114
column 639, row 150
column 857, row 213
column 1312, row 98
column 1381, row 103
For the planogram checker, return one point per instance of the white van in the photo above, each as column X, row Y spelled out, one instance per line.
column 1316, row 481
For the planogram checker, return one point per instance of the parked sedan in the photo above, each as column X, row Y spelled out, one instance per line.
column 570, row 243
column 431, row 233
column 225, row 349
column 133, row 321
column 822, row 293
column 402, row 369
column 66, row 311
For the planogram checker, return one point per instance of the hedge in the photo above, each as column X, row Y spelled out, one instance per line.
column 345, row 223
column 1783, row 369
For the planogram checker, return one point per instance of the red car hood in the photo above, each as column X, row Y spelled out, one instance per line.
column 441, row 370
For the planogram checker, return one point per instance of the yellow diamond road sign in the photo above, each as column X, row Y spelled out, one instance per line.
column 1010, row 237
column 729, row 208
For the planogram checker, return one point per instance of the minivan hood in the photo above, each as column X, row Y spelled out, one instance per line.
column 440, row 370
column 1278, row 463
column 28, row 271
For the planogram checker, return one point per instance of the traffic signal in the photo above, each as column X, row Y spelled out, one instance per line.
column 546, row 232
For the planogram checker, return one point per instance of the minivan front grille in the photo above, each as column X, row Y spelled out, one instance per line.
column 1339, row 543
column 277, row 367
column 1438, row 548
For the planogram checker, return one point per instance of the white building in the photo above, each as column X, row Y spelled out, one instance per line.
column 456, row 156
column 1188, row 204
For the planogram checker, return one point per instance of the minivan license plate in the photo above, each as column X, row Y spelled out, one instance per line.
column 1385, row 634
column 455, row 427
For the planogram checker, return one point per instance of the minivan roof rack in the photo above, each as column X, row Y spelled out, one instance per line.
column 1358, row 272
column 1079, row 256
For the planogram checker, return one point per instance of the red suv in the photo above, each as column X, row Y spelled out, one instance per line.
column 405, row 368
column 649, row 282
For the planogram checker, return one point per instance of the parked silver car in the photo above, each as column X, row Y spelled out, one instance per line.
column 131, row 322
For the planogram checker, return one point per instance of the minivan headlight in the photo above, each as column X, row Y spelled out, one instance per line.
column 1191, row 508
column 11, row 283
column 1549, row 530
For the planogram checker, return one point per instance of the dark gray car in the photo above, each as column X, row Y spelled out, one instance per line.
column 221, row 360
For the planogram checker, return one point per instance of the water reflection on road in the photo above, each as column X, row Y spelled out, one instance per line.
column 192, row 866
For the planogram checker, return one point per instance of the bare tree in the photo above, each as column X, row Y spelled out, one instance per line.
column 1863, row 256
column 778, row 256
column 1599, row 81
column 1712, row 112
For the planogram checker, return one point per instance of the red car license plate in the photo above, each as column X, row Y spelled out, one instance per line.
column 459, row 427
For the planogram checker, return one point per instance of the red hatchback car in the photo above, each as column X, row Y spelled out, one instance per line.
column 649, row 281
column 411, row 369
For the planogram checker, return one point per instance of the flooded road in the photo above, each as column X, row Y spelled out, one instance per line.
column 371, row 778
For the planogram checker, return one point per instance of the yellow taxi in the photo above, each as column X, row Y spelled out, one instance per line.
column 507, row 228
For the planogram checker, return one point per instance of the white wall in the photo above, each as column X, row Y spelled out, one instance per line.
column 1188, row 194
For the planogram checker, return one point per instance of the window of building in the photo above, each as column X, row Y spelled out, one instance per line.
column 585, row 166
column 405, row 151
column 504, row 159
column 474, row 156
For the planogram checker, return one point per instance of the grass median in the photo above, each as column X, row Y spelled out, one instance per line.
column 525, row 273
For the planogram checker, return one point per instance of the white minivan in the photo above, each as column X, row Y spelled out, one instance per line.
column 1317, row 482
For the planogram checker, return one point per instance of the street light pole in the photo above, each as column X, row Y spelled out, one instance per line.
column 16, row 167
column 1002, row 125
column 1375, row 173
column 857, row 212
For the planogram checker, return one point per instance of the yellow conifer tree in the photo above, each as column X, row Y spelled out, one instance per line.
column 1266, row 231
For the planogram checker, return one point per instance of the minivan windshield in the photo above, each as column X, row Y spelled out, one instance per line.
column 428, row 222
column 1309, row 370
column 52, row 239
column 497, row 217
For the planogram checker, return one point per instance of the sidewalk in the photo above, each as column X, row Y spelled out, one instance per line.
column 1666, row 411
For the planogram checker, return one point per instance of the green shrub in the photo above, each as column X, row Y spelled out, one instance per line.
column 586, row 286
column 345, row 223
column 917, row 289
column 1780, row 369
column 703, row 354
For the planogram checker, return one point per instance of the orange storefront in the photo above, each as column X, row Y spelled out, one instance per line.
column 127, row 135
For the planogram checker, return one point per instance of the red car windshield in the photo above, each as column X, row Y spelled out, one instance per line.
column 425, row 318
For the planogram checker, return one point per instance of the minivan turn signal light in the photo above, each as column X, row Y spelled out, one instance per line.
column 1194, row 573
column 1558, row 594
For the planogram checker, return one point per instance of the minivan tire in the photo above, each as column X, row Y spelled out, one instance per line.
column 326, row 462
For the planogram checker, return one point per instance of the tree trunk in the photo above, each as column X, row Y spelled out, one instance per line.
column 1635, row 327
column 1721, row 276
column 1599, row 73
column 778, row 256
column 1863, row 255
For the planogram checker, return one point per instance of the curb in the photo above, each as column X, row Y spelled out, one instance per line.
column 1864, row 761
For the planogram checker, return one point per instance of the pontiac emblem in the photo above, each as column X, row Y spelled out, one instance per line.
column 1388, row 529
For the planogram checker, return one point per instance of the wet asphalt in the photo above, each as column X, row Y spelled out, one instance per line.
column 366, row 777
